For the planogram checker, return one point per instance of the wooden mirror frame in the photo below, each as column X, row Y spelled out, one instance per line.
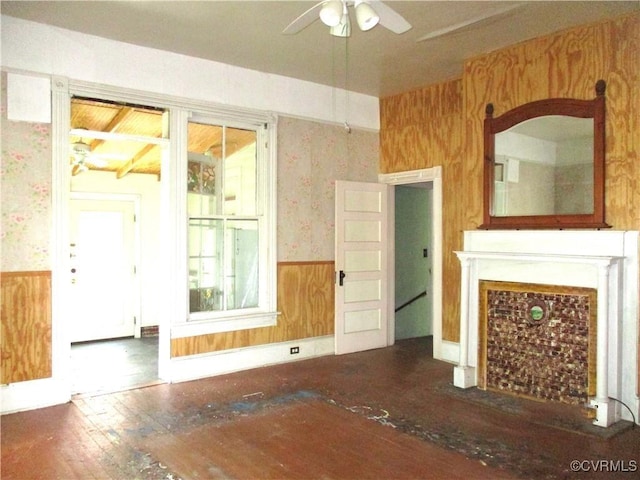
column 555, row 106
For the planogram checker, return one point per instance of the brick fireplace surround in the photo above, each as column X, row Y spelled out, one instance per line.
column 538, row 341
column 604, row 262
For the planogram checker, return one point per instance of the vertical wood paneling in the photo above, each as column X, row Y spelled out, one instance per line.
column 305, row 303
column 25, row 334
column 420, row 106
column 415, row 133
column 622, row 192
column 422, row 129
column 566, row 64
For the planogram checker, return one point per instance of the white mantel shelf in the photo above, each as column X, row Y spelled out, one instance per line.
column 607, row 261
column 602, row 260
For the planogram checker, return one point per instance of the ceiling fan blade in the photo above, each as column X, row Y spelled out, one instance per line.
column 304, row 20
column 117, row 157
column 389, row 18
column 96, row 161
column 466, row 23
column 78, row 168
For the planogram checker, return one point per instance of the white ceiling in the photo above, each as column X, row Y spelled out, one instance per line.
column 380, row 63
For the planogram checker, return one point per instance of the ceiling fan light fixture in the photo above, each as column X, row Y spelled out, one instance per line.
column 343, row 29
column 331, row 13
column 80, row 149
column 366, row 16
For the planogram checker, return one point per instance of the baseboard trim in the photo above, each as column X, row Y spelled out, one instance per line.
column 32, row 394
column 195, row 367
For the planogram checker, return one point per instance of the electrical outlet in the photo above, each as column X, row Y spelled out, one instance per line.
column 294, row 350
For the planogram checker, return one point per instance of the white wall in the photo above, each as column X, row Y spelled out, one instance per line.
column 43, row 49
column 148, row 188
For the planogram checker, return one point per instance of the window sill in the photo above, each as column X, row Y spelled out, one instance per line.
column 226, row 324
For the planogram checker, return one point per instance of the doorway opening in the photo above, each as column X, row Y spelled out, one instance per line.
column 114, row 223
column 116, row 364
column 419, row 193
column 413, row 261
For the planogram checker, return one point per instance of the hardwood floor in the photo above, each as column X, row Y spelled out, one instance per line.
column 389, row 413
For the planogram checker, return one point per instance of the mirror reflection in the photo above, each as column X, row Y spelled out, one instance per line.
column 544, row 166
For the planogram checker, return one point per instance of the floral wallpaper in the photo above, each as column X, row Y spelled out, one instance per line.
column 311, row 157
column 25, row 192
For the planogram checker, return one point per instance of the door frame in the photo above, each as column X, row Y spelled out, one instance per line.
column 135, row 200
column 428, row 175
column 62, row 90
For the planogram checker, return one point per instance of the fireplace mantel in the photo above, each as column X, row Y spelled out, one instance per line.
column 597, row 260
column 607, row 261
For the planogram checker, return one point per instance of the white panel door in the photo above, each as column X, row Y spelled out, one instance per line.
column 102, row 269
column 361, row 266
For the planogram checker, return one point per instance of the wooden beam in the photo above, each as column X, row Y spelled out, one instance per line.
column 126, row 168
column 113, row 125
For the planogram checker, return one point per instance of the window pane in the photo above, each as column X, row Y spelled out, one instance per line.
column 223, row 227
column 242, row 264
column 205, row 270
column 204, row 169
column 240, row 172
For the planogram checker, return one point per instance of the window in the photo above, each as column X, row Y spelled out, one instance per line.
column 228, row 232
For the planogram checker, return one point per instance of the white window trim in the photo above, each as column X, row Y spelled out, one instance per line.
column 173, row 323
column 228, row 323
column 232, row 320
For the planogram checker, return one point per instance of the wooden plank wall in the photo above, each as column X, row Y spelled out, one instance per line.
column 422, row 129
column 305, row 300
column 566, row 64
column 25, row 327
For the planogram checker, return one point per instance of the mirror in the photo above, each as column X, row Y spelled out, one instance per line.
column 544, row 164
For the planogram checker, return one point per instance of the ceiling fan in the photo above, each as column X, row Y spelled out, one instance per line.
column 335, row 14
column 82, row 157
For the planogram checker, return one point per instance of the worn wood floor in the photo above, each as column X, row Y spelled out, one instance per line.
column 383, row 414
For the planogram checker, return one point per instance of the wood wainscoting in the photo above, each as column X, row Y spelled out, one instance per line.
column 25, row 331
column 306, row 305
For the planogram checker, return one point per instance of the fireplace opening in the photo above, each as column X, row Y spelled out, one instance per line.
column 538, row 341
